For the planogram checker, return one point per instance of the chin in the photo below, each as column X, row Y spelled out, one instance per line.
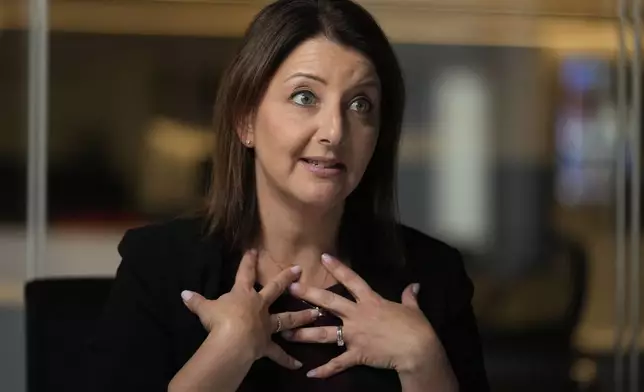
column 325, row 200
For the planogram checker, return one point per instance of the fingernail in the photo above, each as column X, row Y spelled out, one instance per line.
column 311, row 373
column 316, row 313
column 294, row 286
column 298, row 364
column 296, row 269
column 415, row 288
column 287, row 334
column 326, row 258
column 186, row 295
column 253, row 252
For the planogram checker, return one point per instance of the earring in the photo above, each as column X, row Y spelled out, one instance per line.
column 248, row 142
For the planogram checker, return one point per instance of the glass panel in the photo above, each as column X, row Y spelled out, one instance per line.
column 509, row 154
column 129, row 138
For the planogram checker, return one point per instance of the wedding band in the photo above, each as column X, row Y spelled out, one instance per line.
column 340, row 336
column 279, row 324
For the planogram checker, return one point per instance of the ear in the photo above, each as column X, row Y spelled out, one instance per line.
column 246, row 134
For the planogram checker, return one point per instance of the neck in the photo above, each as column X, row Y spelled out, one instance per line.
column 295, row 234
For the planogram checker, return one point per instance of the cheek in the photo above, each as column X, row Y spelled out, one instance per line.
column 362, row 148
column 282, row 133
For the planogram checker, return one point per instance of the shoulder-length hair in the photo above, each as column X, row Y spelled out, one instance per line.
column 275, row 32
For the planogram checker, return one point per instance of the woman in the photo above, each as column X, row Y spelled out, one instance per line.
column 298, row 276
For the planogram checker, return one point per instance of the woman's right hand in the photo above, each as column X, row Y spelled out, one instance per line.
column 241, row 315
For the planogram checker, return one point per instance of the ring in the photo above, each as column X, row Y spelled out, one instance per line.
column 279, row 323
column 340, row 336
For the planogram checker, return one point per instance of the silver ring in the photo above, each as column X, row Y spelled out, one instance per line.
column 279, row 323
column 340, row 336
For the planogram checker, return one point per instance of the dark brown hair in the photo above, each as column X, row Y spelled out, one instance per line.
column 276, row 31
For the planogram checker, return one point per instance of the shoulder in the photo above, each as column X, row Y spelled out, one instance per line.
column 177, row 233
column 178, row 236
column 439, row 268
column 425, row 253
column 177, row 251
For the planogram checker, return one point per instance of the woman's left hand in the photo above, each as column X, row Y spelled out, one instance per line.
column 377, row 332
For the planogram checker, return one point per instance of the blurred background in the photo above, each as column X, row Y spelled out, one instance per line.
column 511, row 149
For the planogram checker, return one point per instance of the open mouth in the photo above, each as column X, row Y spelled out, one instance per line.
column 324, row 164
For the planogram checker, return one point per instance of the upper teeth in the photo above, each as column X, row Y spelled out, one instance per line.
column 321, row 163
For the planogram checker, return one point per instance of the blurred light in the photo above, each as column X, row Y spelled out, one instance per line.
column 463, row 186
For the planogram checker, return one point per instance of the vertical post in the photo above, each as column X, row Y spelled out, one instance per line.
column 620, row 206
column 636, row 123
column 37, row 138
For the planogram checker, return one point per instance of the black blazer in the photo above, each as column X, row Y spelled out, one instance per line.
column 146, row 333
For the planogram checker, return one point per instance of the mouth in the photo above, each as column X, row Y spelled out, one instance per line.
column 323, row 163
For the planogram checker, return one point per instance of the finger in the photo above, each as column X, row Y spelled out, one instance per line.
column 290, row 320
column 323, row 298
column 410, row 295
column 312, row 335
column 193, row 301
column 277, row 286
column 247, row 271
column 279, row 356
column 334, row 366
column 345, row 275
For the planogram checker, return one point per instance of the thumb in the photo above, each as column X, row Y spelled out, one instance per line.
column 192, row 300
column 410, row 294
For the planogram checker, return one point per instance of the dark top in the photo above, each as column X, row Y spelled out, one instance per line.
column 147, row 334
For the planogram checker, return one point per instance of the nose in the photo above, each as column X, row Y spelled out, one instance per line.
column 332, row 128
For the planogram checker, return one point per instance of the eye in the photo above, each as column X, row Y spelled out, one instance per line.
column 361, row 105
column 304, row 98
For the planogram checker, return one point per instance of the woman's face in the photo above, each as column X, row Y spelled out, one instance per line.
column 317, row 125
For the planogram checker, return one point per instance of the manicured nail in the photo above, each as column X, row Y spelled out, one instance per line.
column 326, row 258
column 294, row 286
column 298, row 364
column 296, row 269
column 311, row 373
column 287, row 334
column 186, row 295
column 415, row 288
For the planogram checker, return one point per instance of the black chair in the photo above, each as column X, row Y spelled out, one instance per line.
column 60, row 315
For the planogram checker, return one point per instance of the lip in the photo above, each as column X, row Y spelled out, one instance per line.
column 325, row 167
column 325, row 161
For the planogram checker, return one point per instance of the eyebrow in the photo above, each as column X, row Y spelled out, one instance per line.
column 307, row 75
column 367, row 83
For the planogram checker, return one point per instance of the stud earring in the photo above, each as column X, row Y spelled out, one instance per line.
column 248, row 142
